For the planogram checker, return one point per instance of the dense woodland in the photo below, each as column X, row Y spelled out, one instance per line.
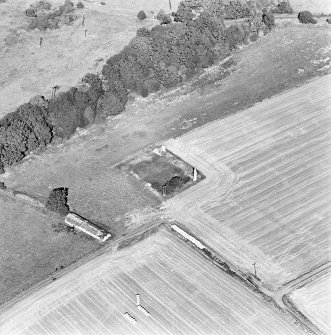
column 164, row 56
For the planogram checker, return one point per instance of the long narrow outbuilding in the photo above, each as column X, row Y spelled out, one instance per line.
column 76, row 221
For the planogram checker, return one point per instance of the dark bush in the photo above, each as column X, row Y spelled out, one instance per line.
column 144, row 92
column 102, row 3
column 110, row 104
column 234, row 36
column 236, row 10
column 67, row 7
column 268, row 19
column 57, row 201
column 166, row 19
column 141, row 15
column 306, row 17
column 2, row 185
column 80, row 5
column 42, row 5
column 153, row 85
column 66, row 112
column 95, row 90
column 184, row 13
column 253, row 37
column 283, row 8
column 143, row 32
column 160, row 14
column 2, row 167
column 45, row 19
column 328, row 21
column 30, row 12
column 22, row 131
column 207, row 252
column 57, row 12
column 175, row 183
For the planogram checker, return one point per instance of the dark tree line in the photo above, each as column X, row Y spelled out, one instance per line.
column 161, row 57
column 168, row 54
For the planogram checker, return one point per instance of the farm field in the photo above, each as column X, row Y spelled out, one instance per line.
column 27, row 70
column 93, row 298
column 313, row 300
column 30, row 249
column 84, row 163
column 265, row 198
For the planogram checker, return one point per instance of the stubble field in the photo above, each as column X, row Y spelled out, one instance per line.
column 266, row 194
column 184, row 294
column 314, row 301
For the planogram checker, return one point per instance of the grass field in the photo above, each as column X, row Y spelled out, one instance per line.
column 27, row 70
column 183, row 293
column 314, row 301
column 30, row 249
column 266, row 194
column 96, row 191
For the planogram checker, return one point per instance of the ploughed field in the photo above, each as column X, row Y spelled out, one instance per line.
column 314, row 301
column 183, row 292
column 265, row 198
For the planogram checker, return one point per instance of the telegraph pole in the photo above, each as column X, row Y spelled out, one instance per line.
column 254, row 264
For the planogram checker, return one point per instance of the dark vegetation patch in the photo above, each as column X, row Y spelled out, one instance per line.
column 57, row 201
column 164, row 172
column 141, row 15
column 283, row 7
column 306, row 17
column 42, row 16
column 164, row 56
column 268, row 19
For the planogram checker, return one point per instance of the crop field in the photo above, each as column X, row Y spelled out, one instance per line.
column 30, row 249
column 184, row 294
column 266, row 194
column 314, row 301
column 66, row 55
